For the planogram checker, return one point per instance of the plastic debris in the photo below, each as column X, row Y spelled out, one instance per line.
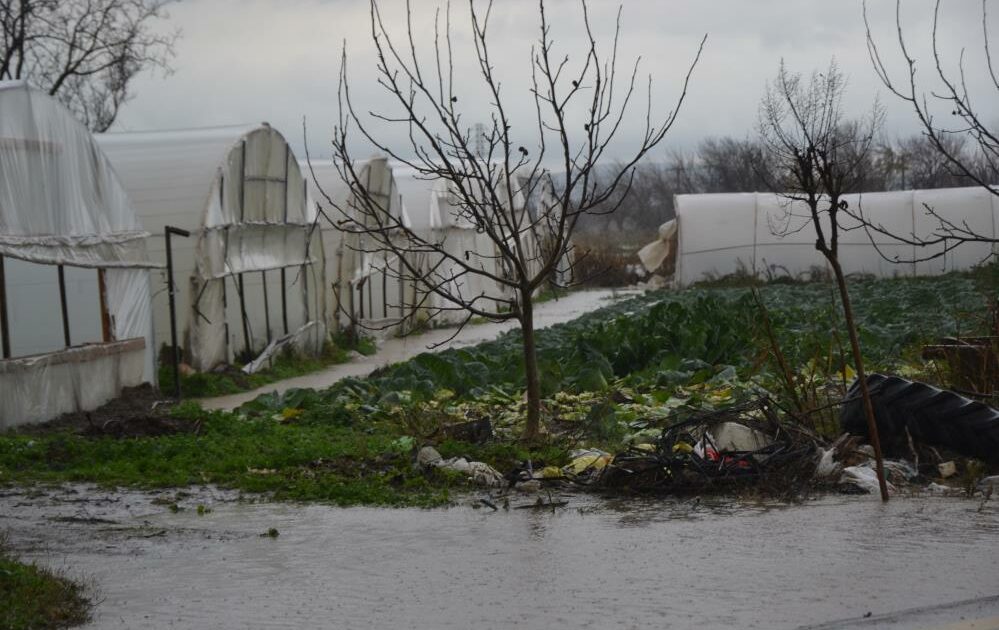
column 910, row 412
column 739, row 443
column 947, row 469
column 428, row 456
column 989, row 483
column 587, row 460
column 550, row 472
column 479, row 473
column 827, row 467
column 863, row 477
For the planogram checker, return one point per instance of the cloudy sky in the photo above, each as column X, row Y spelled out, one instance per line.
column 242, row 61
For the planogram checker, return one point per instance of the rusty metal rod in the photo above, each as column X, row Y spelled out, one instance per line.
column 107, row 335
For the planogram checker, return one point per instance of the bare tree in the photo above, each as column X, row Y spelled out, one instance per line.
column 967, row 143
column 730, row 165
column 84, row 52
column 818, row 157
column 483, row 175
column 918, row 165
column 644, row 204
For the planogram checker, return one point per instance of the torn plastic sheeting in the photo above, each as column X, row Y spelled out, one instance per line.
column 865, row 478
column 733, row 437
column 478, row 472
column 827, row 466
column 655, row 253
column 124, row 255
column 247, row 248
column 275, row 346
column 60, row 200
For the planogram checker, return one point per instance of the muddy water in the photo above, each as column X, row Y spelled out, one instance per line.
column 630, row 564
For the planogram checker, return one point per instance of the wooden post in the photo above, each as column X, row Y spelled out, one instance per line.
column 107, row 335
column 385, row 290
column 402, row 289
column 242, row 183
column 65, row 309
column 225, row 291
column 350, row 306
column 4, row 323
column 267, row 306
column 305, row 294
column 242, row 313
column 284, row 300
column 225, row 312
column 360, row 296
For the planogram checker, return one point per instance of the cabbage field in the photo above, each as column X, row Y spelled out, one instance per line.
column 610, row 378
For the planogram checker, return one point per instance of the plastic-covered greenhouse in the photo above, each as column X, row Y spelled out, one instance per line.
column 365, row 286
column 251, row 274
column 434, row 212
column 764, row 234
column 75, row 316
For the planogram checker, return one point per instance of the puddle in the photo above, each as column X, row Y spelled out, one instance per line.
column 624, row 564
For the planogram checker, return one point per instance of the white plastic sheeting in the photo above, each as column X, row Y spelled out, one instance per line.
column 61, row 204
column 364, row 284
column 252, row 269
column 765, row 234
column 657, row 252
column 546, row 211
column 433, row 208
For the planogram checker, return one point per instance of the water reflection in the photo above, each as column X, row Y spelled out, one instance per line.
column 633, row 562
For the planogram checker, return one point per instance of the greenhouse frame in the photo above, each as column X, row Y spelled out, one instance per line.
column 75, row 314
column 250, row 278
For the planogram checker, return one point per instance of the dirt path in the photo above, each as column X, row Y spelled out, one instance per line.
column 395, row 350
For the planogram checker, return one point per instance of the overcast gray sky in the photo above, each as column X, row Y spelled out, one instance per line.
column 244, row 61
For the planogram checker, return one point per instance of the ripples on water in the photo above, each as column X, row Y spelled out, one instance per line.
column 596, row 564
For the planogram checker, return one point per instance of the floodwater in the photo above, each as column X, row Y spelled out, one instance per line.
column 394, row 350
column 592, row 564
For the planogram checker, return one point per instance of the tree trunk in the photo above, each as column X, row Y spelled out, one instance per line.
column 531, row 374
column 872, row 425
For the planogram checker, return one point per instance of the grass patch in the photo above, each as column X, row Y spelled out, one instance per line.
column 287, row 365
column 36, row 598
column 315, row 455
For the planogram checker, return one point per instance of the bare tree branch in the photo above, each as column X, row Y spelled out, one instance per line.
column 485, row 181
column 84, row 52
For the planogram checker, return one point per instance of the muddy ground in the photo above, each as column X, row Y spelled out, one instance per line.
column 139, row 412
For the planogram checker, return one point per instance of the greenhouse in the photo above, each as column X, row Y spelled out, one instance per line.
column 435, row 214
column 250, row 276
column 75, row 320
column 365, row 286
column 768, row 236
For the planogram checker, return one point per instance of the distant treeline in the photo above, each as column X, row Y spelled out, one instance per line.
column 721, row 165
